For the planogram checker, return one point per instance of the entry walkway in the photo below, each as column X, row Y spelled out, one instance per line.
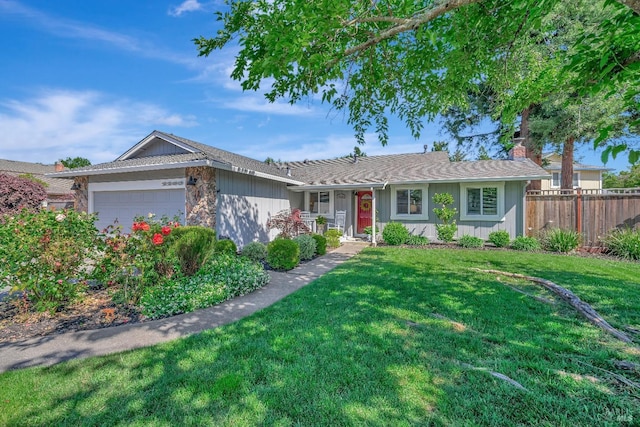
column 53, row 349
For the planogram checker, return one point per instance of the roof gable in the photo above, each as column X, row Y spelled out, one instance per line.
column 157, row 144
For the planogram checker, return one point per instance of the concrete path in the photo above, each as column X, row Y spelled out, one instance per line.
column 52, row 349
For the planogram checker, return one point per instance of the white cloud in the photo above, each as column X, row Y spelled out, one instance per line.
column 186, row 6
column 56, row 124
column 67, row 28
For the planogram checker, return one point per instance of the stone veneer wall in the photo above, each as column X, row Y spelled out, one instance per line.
column 201, row 198
column 81, row 196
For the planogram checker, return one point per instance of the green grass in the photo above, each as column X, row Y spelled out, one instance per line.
column 370, row 344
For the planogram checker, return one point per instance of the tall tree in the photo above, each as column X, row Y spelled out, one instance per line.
column 625, row 179
column 456, row 156
column 410, row 60
column 75, row 162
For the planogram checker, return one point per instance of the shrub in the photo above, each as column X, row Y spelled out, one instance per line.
column 561, row 240
column 283, row 254
column 191, row 247
column 226, row 246
column 255, row 251
column 500, row 238
column 46, row 253
column 132, row 262
column 623, row 243
column 17, row 194
column 221, row 277
column 290, row 224
column 446, row 232
column 178, row 232
column 307, row 246
column 333, row 237
column 415, row 240
column 395, row 234
column 526, row 243
column 469, row 241
column 321, row 244
column 448, row 228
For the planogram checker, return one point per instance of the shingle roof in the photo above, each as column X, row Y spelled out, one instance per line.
column 55, row 186
column 201, row 152
column 399, row 168
column 138, row 162
column 230, row 158
column 394, row 168
column 557, row 166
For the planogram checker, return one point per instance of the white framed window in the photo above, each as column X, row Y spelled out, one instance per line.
column 482, row 201
column 319, row 202
column 409, row 202
column 556, row 180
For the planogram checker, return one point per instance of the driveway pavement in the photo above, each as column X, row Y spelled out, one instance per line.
column 52, row 349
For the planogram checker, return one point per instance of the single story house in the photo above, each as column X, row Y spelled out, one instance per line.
column 587, row 177
column 59, row 192
column 168, row 175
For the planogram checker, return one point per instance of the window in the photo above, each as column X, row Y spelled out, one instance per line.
column 320, row 203
column 409, row 202
column 482, row 202
column 556, row 177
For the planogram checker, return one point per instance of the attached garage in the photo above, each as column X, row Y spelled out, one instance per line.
column 113, row 204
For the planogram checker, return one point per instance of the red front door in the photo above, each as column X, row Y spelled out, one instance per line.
column 364, row 210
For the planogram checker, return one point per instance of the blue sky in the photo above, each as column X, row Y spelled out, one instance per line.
column 92, row 78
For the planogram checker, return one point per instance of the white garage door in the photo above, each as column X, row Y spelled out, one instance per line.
column 123, row 206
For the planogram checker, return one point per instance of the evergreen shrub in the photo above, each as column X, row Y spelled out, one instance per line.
column 283, row 254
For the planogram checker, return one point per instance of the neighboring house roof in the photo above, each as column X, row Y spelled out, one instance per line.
column 410, row 168
column 374, row 171
column 55, row 186
column 555, row 164
column 193, row 154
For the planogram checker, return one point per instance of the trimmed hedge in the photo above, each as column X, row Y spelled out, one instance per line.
column 321, row 244
column 283, row 254
column 395, row 234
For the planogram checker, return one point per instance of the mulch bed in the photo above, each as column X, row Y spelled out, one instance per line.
column 95, row 311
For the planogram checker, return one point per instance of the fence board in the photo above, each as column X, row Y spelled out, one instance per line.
column 600, row 213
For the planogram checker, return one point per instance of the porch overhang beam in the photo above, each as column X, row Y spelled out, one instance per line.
column 300, row 188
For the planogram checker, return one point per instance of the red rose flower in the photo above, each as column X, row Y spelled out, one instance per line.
column 158, row 239
column 144, row 226
column 166, row 230
column 136, row 226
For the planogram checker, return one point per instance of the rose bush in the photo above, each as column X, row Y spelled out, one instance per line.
column 135, row 261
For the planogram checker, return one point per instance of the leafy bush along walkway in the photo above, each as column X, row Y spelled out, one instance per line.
column 54, row 349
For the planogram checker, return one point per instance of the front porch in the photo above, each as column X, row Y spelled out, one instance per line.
column 359, row 204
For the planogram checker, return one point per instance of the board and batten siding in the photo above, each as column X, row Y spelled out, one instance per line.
column 513, row 223
column 245, row 203
column 160, row 147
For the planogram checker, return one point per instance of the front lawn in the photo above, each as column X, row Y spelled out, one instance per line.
column 392, row 337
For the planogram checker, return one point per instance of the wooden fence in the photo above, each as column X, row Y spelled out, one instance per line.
column 592, row 213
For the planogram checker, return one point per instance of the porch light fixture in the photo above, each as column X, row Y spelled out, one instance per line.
column 192, row 180
column 75, row 186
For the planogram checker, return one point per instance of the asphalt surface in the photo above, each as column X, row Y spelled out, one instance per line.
column 52, row 349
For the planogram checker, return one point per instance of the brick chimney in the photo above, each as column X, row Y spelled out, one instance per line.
column 519, row 151
column 59, row 167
